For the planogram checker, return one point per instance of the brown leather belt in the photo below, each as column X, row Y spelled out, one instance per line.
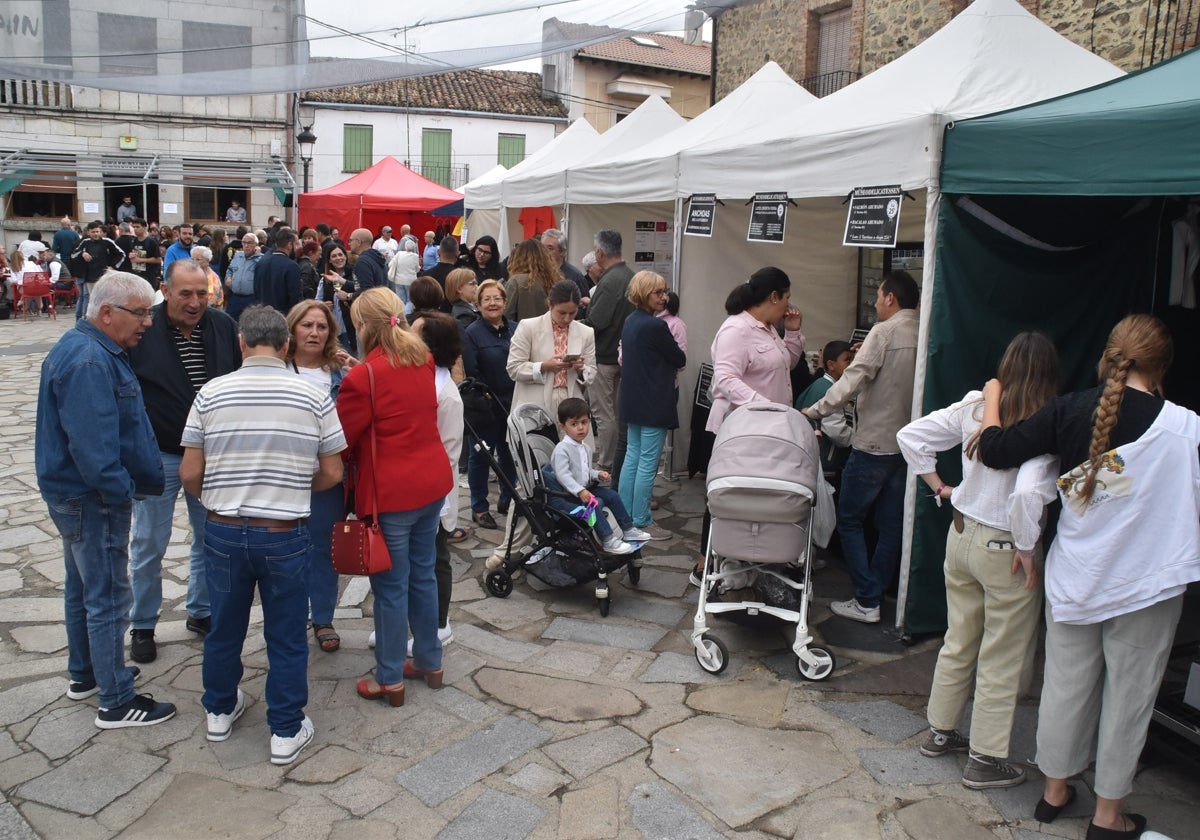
column 273, row 526
column 958, row 520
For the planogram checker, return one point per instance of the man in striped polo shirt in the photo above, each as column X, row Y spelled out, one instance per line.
column 258, row 442
column 186, row 345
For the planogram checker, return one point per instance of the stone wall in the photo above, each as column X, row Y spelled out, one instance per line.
column 747, row 36
column 893, row 27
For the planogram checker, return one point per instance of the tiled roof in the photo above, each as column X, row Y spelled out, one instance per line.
column 671, row 54
column 509, row 92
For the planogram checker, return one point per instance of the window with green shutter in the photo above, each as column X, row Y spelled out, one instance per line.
column 510, row 150
column 435, row 155
column 356, row 147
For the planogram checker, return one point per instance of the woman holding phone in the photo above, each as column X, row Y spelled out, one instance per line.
column 552, row 356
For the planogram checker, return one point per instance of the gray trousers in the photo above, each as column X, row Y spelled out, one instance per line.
column 604, row 396
column 1101, row 681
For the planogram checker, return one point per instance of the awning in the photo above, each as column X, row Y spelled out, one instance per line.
column 271, row 173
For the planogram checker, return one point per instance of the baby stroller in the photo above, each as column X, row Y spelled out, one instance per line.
column 564, row 551
column 762, row 484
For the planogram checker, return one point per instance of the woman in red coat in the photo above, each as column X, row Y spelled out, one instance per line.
column 404, row 480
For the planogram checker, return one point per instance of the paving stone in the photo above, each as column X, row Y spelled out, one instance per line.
column 356, row 591
column 535, row 778
column 583, row 755
column 671, row 667
column 92, row 779
column 493, row 645
column 22, row 536
column 62, row 731
column 683, row 502
column 329, row 764
column 741, row 772
column 680, row 562
column 591, row 813
column 567, row 660
column 13, row 825
column 494, row 816
column 758, row 700
column 557, row 698
column 906, row 766
column 659, row 813
column 420, row 733
column 649, row 611
column 24, row 610
column 911, row 674
column 10, row 580
column 22, row 701
column 882, row 718
column 1027, row 834
column 201, row 806
column 665, row 583
column 612, row 635
column 941, row 819
column 8, row 746
column 1017, row 803
column 463, row 705
column 838, row 819
column 511, row 613
column 360, row 793
column 41, row 638
column 455, row 768
column 468, row 590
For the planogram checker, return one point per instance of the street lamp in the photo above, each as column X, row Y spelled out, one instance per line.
column 306, row 138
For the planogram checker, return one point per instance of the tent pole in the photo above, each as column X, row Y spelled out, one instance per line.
column 676, row 244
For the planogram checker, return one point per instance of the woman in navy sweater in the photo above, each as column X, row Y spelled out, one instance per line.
column 650, row 358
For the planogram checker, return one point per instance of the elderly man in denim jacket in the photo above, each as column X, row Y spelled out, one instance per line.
column 94, row 454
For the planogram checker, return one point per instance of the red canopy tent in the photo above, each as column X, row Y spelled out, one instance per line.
column 389, row 193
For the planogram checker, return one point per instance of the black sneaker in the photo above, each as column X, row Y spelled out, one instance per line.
column 943, row 741
column 142, row 710
column 83, row 689
column 199, row 624
column 142, row 648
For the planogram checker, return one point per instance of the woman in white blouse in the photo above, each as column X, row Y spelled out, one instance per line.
column 993, row 557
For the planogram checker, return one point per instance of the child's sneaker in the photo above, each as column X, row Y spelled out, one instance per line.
column 616, row 545
column 636, row 535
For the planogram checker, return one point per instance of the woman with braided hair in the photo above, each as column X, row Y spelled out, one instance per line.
column 1128, row 544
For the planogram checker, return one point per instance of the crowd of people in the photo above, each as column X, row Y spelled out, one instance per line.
column 353, row 352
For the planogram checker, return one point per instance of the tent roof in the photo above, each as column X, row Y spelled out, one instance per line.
column 1136, row 135
column 886, row 127
column 492, row 176
column 546, row 183
column 388, row 185
column 649, row 171
column 571, row 144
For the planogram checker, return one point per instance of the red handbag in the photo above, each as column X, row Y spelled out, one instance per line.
column 358, row 546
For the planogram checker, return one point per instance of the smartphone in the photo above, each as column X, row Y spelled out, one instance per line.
column 1001, row 545
column 571, row 357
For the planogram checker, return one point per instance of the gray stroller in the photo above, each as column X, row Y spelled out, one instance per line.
column 762, row 484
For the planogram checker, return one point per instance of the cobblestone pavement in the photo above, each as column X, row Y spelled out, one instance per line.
column 554, row 723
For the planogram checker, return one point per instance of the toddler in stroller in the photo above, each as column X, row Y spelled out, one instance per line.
column 570, row 472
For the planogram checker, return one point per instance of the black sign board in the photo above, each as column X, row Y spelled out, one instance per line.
column 768, row 217
column 874, row 217
column 701, row 211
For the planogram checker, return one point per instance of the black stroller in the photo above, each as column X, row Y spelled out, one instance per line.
column 562, row 550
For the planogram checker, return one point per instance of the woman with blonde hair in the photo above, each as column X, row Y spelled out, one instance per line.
column 993, row 560
column 389, row 412
column 531, row 274
column 1128, row 544
column 461, row 288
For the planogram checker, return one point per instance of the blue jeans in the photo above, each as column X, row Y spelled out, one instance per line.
column 328, row 506
column 407, row 594
column 643, row 447
column 236, row 304
column 866, row 480
column 477, row 467
column 239, row 557
column 605, row 495
column 81, row 301
column 95, row 539
column 152, row 517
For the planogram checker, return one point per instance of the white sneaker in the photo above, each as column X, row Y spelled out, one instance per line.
column 616, row 545
column 285, row 750
column 371, row 640
column 220, row 726
column 636, row 535
column 445, row 636
column 855, row 611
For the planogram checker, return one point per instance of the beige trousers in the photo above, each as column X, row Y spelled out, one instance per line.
column 604, row 398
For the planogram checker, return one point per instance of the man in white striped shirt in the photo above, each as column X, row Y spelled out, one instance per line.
column 257, row 443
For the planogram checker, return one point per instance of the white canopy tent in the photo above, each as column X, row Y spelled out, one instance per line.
column 487, row 222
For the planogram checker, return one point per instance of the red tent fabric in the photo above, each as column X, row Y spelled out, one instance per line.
column 389, row 193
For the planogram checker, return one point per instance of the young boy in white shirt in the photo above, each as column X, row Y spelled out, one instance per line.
column 570, row 471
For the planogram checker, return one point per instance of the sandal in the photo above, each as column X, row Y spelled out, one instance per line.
column 457, row 535
column 327, row 637
column 484, row 520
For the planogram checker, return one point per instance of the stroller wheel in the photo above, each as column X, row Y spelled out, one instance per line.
column 635, row 574
column 604, row 603
column 499, row 583
column 816, row 664
column 714, row 656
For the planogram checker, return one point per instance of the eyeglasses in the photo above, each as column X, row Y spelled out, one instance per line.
column 483, row 252
column 660, row 292
column 140, row 314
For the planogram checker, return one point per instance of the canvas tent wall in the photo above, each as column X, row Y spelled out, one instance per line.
column 388, row 193
column 1056, row 217
column 486, row 222
column 883, row 129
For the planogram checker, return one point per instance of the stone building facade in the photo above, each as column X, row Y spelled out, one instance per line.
column 1130, row 33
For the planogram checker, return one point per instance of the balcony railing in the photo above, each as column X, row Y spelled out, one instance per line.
column 452, row 177
column 827, row 83
column 35, row 94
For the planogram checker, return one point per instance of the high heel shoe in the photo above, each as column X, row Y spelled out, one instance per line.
column 433, row 679
column 394, row 695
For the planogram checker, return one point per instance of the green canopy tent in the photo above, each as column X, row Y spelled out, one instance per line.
column 1057, row 216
